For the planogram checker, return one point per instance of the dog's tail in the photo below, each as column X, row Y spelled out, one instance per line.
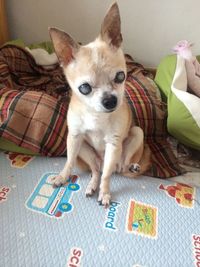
column 142, row 166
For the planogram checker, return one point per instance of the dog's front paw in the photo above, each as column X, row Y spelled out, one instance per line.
column 104, row 199
column 58, row 180
column 134, row 167
column 90, row 190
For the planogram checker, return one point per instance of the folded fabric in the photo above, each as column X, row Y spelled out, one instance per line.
column 192, row 66
column 183, row 120
column 33, row 109
column 150, row 114
column 19, row 71
column 42, row 57
column 34, row 120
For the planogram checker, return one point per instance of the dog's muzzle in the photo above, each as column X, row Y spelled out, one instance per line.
column 109, row 102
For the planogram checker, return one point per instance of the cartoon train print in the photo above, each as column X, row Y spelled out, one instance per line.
column 183, row 194
column 54, row 202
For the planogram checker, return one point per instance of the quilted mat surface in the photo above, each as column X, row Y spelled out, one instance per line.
column 150, row 222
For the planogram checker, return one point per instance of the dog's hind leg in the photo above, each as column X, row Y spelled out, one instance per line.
column 142, row 165
column 132, row 150
column 88, row 156
column 136, row 157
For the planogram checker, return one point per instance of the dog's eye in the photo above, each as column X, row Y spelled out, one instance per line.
column 119, row 77
column 85, row 88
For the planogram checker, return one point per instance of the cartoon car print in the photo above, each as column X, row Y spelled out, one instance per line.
column 183, row 193
column 54, row 202
column 18, row 160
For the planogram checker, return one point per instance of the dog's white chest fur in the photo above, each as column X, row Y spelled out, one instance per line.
column 95, row 131
column 92, row 122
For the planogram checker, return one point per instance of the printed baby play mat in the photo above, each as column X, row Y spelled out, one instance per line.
column 150, row 222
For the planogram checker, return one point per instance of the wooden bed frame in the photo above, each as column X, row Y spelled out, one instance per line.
column 3, row 23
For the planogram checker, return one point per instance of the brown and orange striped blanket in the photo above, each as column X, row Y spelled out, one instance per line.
column 34, row 101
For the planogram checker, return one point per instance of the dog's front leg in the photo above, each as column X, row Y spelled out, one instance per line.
column 74, row 142
column 112, row 155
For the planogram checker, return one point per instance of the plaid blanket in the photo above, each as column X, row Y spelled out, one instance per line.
column 34, row 120
column 19, row 71
column 34, row 101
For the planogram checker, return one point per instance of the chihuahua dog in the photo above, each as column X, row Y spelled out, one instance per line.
column 101, row 130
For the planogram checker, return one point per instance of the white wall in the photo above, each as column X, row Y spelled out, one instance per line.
column 150, row 27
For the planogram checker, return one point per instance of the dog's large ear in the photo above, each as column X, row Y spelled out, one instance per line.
column 111, row 27
column 65, row 47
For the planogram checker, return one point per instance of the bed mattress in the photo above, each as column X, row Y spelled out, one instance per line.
column 150, row 222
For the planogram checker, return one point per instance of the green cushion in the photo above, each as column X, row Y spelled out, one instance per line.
column 181, row 121
column 18, row 42
column 48, row 46
column 5, row 144
column 10, row 146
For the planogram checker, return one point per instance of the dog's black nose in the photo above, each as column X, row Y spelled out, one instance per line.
column 109, row 102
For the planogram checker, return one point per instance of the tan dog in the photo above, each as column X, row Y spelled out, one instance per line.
column 101, row 129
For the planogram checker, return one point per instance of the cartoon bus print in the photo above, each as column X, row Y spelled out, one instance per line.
column 54, row 202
